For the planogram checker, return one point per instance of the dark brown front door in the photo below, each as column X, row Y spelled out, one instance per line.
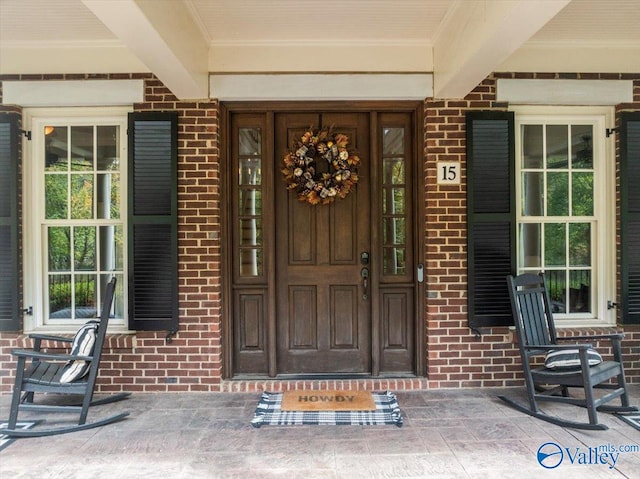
column 323, row 306
column 295, row 296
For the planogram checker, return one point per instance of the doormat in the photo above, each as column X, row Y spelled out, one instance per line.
column 6, row 440
column 633, row 419
column 328, row 401
column 270, row 412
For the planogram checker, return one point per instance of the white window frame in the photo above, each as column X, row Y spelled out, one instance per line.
column 34, row 267
column 604, row 238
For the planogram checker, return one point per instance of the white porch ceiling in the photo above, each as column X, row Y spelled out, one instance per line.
column 182, row 41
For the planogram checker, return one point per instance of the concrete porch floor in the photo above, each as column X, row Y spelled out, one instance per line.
column 462, row 433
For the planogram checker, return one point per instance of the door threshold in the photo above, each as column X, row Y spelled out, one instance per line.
column 319, row 376
column 246, row 383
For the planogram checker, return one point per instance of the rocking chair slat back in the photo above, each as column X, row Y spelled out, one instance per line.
column 530, row 307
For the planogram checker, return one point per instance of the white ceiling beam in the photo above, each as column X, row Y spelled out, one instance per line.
column 164, row 36
column 478, row 36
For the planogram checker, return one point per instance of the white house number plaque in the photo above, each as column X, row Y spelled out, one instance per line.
column 448, row 172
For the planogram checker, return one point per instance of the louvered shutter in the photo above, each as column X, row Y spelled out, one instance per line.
column 490, row 217
column 153, row 227
column 9, row 271
column 630, row 216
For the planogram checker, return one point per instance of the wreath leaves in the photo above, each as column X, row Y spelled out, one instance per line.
column 320, row 167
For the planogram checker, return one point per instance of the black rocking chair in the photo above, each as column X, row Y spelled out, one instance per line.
column 54, row 373
column 578, row 365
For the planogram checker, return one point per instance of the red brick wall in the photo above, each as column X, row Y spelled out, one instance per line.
column 192, row 361
column 456, row 356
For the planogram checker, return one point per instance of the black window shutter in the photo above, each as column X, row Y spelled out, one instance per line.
column 9, row 279
column 630, row 216
column 490, row 216
column 153, row 221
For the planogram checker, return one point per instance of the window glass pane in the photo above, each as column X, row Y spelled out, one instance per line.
column 530, row 247
column 59, row 247
column 557, row 285
column 55, row 196
column 557, row 194
column 108, row 148
column 581, row 146
column 250, row 262
column 393, row 231
column 580, row 291
column 84, row 232
column 393, row 201
column 562, row 186
column 532, row 146
column 56, row 148
column 108, row 195
column 582, row 191
column 85, row 296
column 82, row 196
column 393, row 261
column 250, row 141
column 250, row 171
column 557, row 146
column 251, row 231
column 393, row 171
column 393, row 141
column 250, row 202
column 532, row 194
column 555, row 242
column 84, row 248
column 82, row 148
column 111, row 254
column 60, row 296
column 580, row 244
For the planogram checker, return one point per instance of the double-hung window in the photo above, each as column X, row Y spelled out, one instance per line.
column 75, row 215
column 566, row 209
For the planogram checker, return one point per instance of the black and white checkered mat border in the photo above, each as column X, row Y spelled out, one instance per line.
column 269, row 412
column 6, row 440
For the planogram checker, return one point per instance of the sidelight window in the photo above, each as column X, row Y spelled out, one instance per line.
column 250, row 227
column 394, row 206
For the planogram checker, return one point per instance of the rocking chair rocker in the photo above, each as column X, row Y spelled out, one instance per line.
column 579, row 366
column 54, row 373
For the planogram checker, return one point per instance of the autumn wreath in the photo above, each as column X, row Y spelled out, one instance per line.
column 320, row 167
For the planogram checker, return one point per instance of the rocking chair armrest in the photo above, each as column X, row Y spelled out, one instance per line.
column 28, row 353
column 47, row 337
column 554, row 347
column 611, row 337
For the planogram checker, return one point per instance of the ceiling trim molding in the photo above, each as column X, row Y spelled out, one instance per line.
column 564, row 92
column 68, row 93
column 264, row 87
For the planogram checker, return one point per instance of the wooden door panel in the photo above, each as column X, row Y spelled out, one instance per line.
column 344, row 317
column 397, row 341
column 303, row 320
column 302, row 234
column 343, row 240
column 250, row 335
